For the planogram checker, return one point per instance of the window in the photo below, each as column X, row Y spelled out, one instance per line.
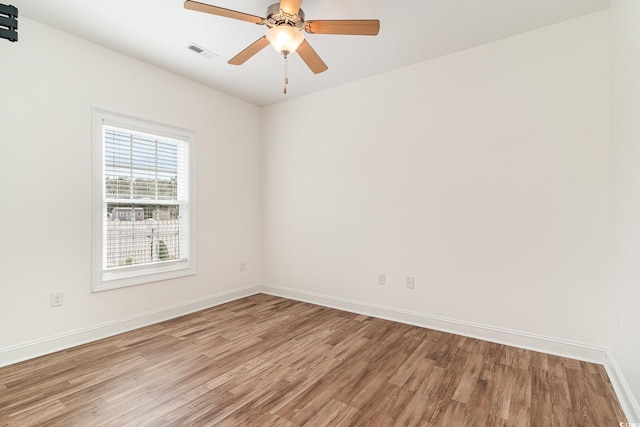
column 143, row 201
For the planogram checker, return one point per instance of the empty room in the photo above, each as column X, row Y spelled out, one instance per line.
column 320, row 213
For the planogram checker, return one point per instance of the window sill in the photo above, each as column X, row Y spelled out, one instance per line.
column 130, row 276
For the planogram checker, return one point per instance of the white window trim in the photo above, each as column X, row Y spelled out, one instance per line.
column 103, row 280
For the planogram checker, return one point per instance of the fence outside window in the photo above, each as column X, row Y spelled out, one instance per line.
column 140, row 242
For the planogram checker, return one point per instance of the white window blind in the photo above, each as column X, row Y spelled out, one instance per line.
column 145, row 206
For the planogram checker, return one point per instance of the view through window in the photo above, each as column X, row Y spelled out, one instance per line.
column 142, row 197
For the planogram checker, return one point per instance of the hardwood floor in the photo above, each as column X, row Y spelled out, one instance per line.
column 268, row 361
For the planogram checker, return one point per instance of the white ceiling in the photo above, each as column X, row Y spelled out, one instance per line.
column 159, row 31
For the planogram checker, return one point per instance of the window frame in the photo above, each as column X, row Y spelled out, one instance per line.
column 102, row 278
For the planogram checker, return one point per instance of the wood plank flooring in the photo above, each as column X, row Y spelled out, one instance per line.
column 268, row 361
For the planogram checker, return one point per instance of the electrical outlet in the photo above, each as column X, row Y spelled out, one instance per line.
column 409, row 282
column 243, row 266
column 57, row 299
column 381, row 279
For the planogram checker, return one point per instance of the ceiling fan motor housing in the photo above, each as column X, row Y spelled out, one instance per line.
column 276, row 17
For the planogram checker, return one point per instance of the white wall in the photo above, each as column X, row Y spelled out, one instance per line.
column 49, row 82
column 625, row 165
column 484, row 174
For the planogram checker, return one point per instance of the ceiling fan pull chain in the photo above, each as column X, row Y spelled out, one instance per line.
column 286, row 73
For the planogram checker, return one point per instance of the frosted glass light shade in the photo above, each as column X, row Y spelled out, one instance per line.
column 285, row 38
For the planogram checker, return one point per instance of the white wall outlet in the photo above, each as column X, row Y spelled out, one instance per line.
column 408, row 282
column 57, row 299
column 381, row 279
column 243, row 266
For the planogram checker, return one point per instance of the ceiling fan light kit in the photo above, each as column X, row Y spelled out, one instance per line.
column 285, row 39
column 286, row 21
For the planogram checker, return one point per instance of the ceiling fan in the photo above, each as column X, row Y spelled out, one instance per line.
column 285, row 22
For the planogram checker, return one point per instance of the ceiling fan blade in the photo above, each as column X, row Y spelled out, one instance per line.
column 227, row 13
column 357, row 27
column 292, row 7
column 249, row 51
column 311, row 58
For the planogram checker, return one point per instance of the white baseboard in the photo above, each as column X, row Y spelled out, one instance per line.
column 528, row 341
column 30, row 350
column 625, row 396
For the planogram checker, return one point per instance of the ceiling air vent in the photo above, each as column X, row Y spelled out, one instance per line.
column 202, row 51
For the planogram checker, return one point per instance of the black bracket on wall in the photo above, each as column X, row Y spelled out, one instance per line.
column 9, row 22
